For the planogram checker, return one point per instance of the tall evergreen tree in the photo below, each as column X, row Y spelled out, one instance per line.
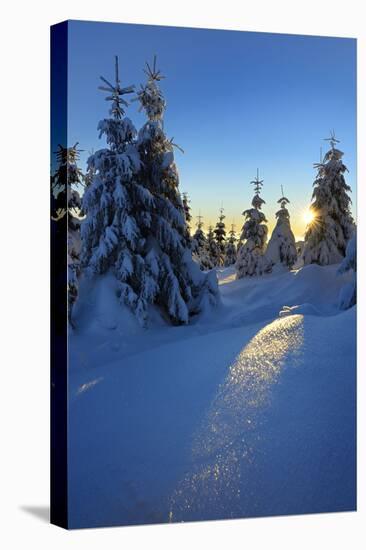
column 220, row 237
column 180, row 289
column 213, row 249
column 117, row 205
column 281, row 248
column 200, row 248
column 327, row 235
column 231, row 247
column 251, row 259
column 65, row 182
column 67, row 213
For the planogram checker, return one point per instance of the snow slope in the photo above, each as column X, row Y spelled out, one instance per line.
column 247, row 412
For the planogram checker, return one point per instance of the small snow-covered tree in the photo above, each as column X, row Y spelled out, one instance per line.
column 213, row 249
column 281, row 248
column 178, row 286
column 67, row 213
column 200, row 249
column 348, row 294
column 251, row 259
column 117, row 206
column 231, row 247
column 220, row 238
column 327, row 234
column 65, row 182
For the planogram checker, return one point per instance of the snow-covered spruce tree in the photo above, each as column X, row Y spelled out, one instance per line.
column 281, row 249
column 231, row 247
column 251, row 259
column 220, row 238
column 327, row 235
column 67, row 213
column 213, row 249
column 188, row 217
column 348, row 294
column 178, row 286
column 200, row 249
column 67, row 176
column 117, row 207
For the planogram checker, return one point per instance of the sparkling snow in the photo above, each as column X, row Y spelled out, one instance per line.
column 248, row 411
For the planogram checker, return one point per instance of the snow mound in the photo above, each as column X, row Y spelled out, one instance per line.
column 311, row 290
column 99, row 309
column 241, row 422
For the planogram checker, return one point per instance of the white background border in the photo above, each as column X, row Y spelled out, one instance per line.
column 24, row 304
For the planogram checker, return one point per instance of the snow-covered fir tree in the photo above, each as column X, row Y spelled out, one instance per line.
column 213, row 249
column 332, row 226
column 348, row 294
column 251, row 259
column 220, row 238
column 281, row 249
column 67, row 213
column 65, row 182
column 116, row 205
column 200, row 248
column 188, row 216
column 231, row 247
column 177, row 285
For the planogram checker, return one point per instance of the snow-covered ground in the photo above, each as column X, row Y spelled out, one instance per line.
column 249, row 411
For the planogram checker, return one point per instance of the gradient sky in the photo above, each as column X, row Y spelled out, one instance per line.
column 235, row 101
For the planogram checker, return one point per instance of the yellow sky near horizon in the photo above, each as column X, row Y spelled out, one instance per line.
column 298, row 220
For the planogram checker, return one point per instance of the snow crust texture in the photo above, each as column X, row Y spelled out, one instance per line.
column 247, row 412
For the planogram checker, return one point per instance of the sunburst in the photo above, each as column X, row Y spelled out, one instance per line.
column 309, row 216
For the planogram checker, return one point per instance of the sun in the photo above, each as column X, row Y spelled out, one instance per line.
column 308, row 217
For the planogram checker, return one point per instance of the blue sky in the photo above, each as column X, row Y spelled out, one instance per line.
column 235, row 101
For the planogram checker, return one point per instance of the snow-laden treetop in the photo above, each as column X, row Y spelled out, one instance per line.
column 118, row 130
column 283, row 213
column 254, row 214
column 258, row 184
column 115, row 93
column 333, row 153
column 150, row 97
column 257, row 200
column 199, row 223
column 283, row 200
column 332, row 139
column 68, row 174
column 68, row 155
column 221, row 216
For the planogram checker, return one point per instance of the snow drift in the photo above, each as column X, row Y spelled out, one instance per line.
column 244, row 413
